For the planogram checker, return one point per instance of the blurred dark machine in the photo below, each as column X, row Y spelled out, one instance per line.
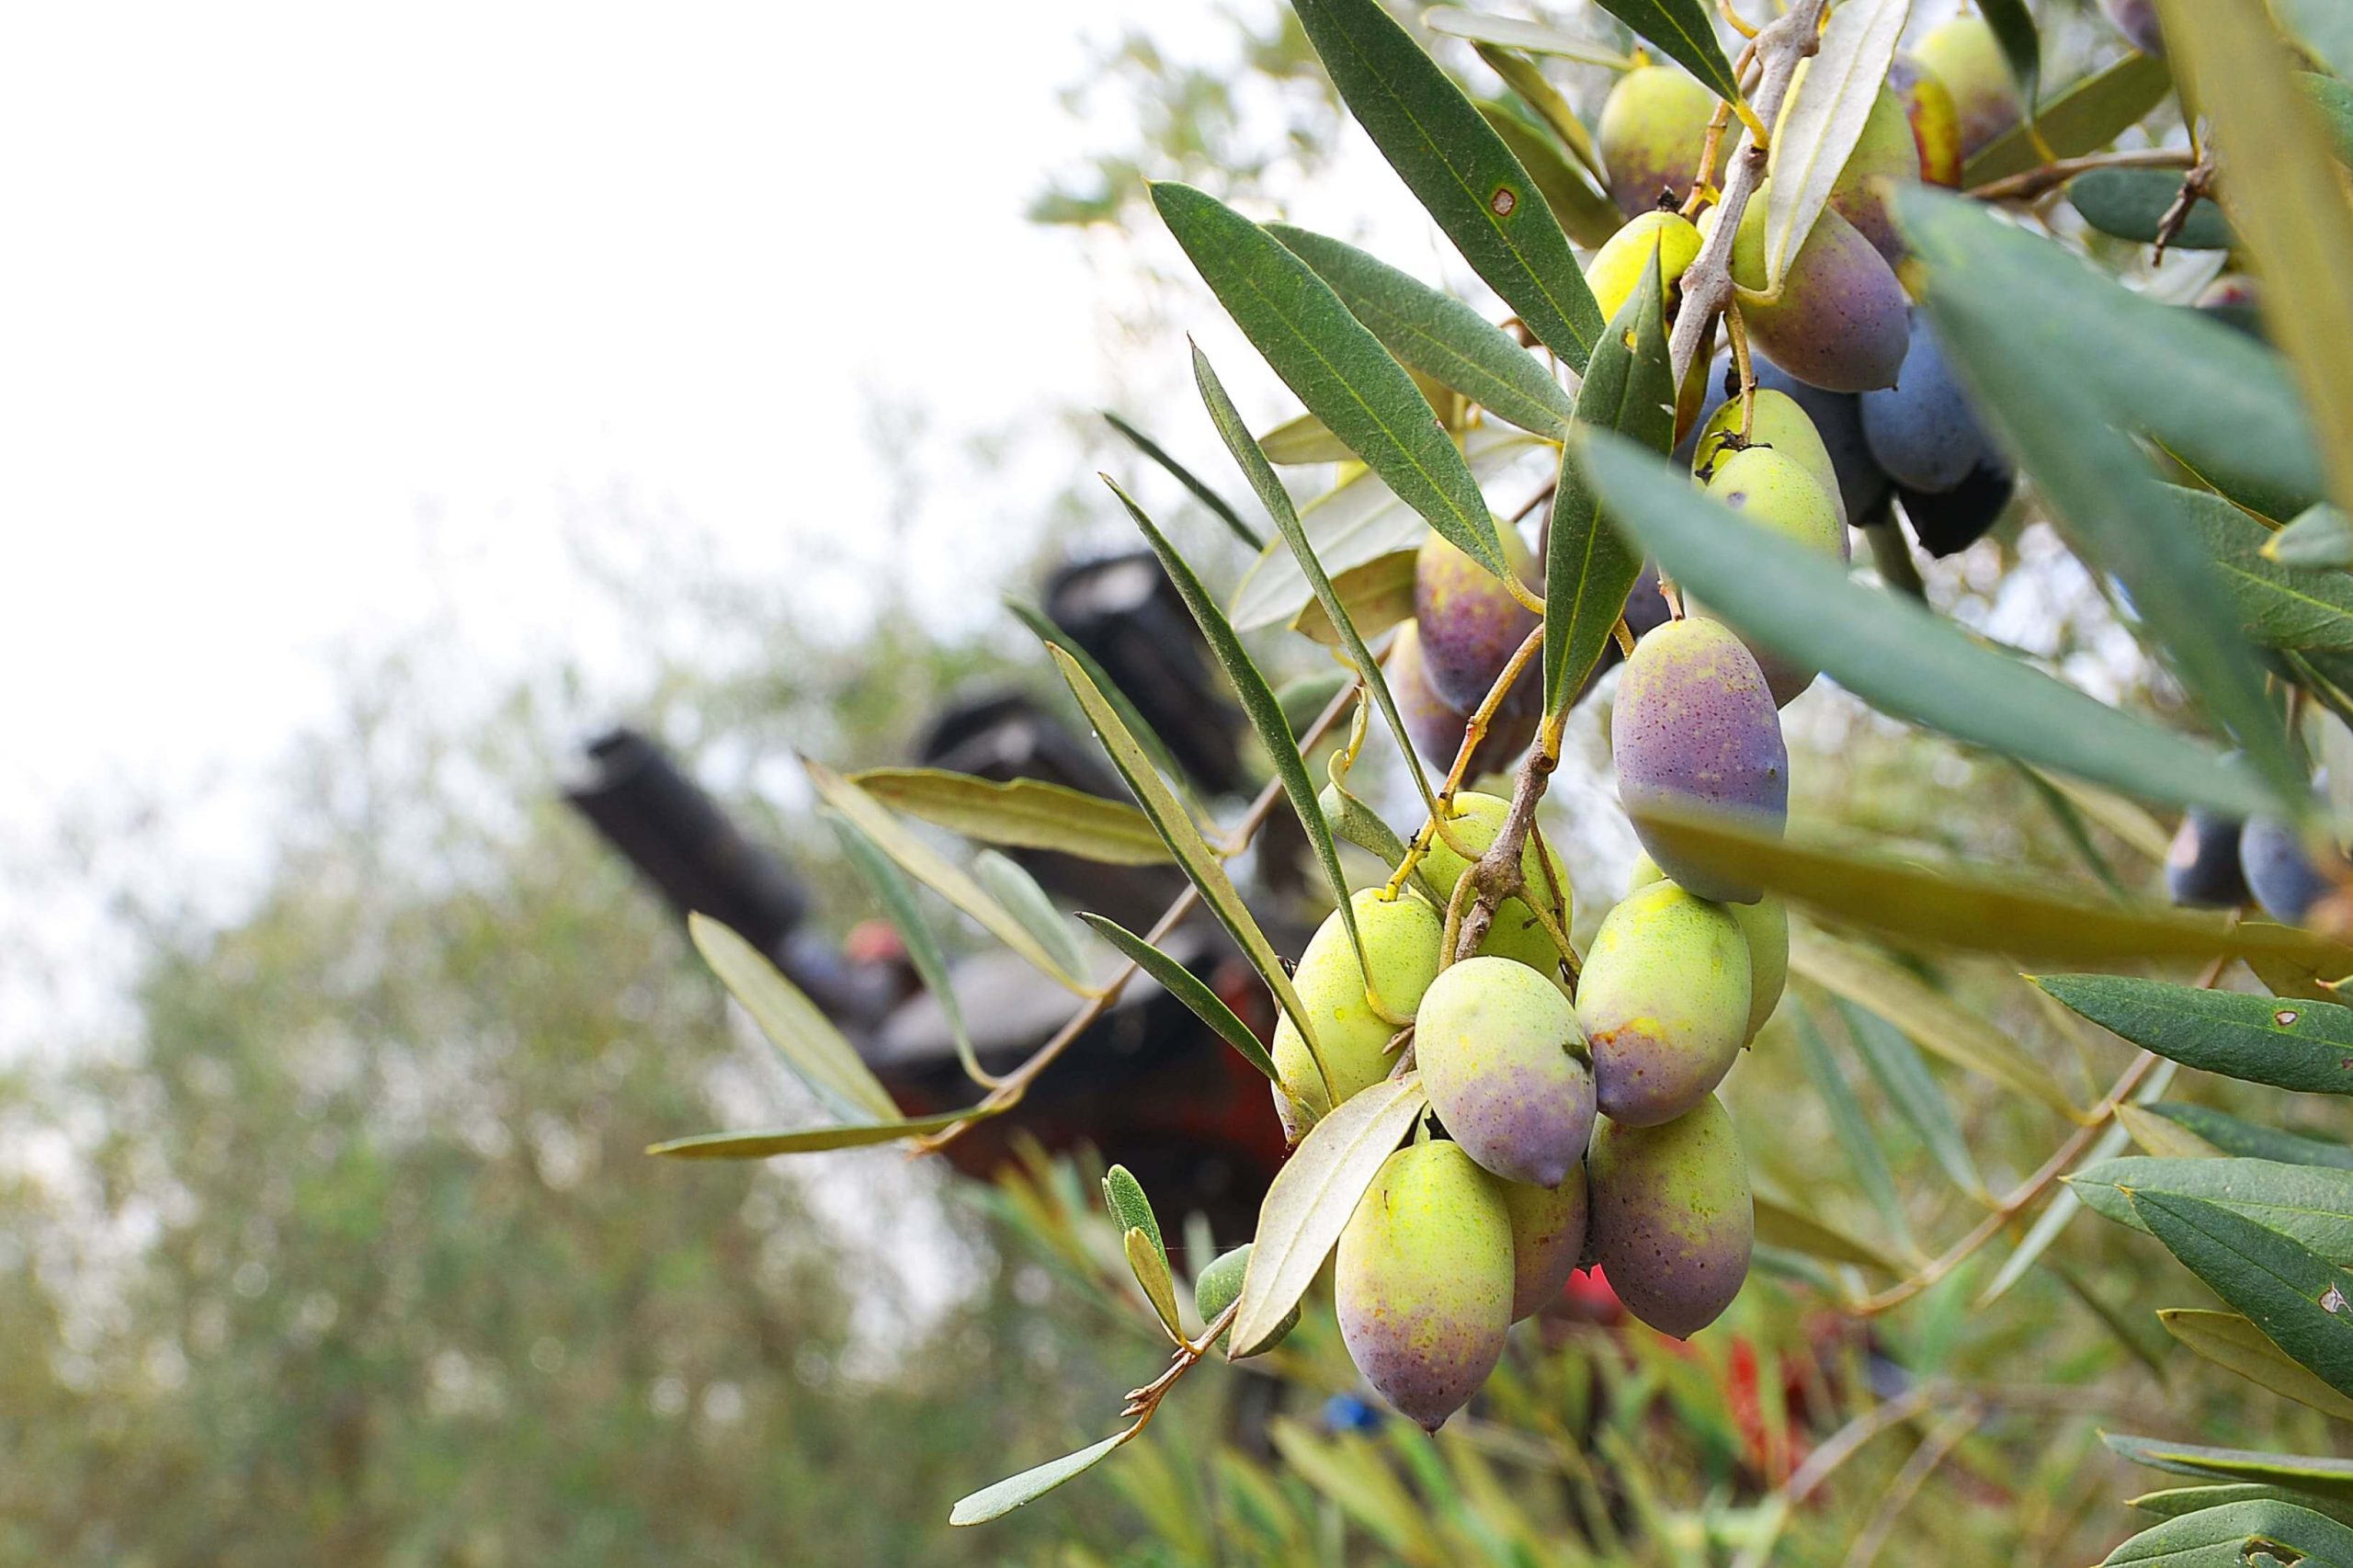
column 1147, row 1084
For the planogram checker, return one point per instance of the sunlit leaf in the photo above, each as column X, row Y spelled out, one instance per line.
column 2318, row 536
column 1054, row 636
column 1558, row 115
column 2229, row 1341
column 1304, row 439
column 1891, row 651
column 1377, row 596
column 1023, row 813
column 1936, row 1021
column 1588, row 567
column 1187, row 987
column 1185, row 476
column 1124, row 1200
column 2086, row 118
column 1149, row 1262
column 2100, row 486
column 2288, row 1044
column 1458, row 168
column 2312, row 1205
column 2285, row 199
column 1184, row 840
column 1258, row 703
column 2161, row 1137
column 811, row 1139
column 2295, row 1297
column 1822, row 118
column 991, row 1501
column 2233, row 1535
column 1309, row 1203
column 1512, row 33
column 1437, row 333
column 802, row 1035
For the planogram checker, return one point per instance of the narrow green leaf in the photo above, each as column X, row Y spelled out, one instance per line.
column 2285, row 199
column 2072, row 827
column 1894, row 652
column 1685, row 33
column 1458, row 168
column 2049, row 1225
column 992, row 1502
column 1937, row 1022
column 801, row 1034
column 1148, row 1261
column 2296, row 1299
column 2097, row 483
column 943, row 876
column 2276, row 607
column 2131, row 204
column 898, row 900
column 2234, row 1136
column 1184, row 840
column 2324, row 29
column 811, row 1140
column 2331, row 1479
column 2234, row 1535
column 1305, row 696
column 1979, row 910
column 2128, row 1329
column 2232, row 1342
column 1185, row 476
column 1510, row 32
column 1904, row 1079
column 1302, row 440
column 2216, row 399
column 1338, row 368
column 2021, row 46
column 1054, row 636
column 2173, row 1502
column 1852, row 1129
column 2086, row 118
column 2288, row 1044
column 1264, row 713
column 1437, row 333
column 1024, row 813
column 1310, row 1200
column 1589, row 568
column 1187, row 987
column 1124, row 1200
column 1544, row 100
column 1822, row 118
column 1355, row 523
column 2162, row 1138
column 2332, row 99
column 1584, row 211
column 1276, row 501
column 1779, row 1222
column 2319, row 535
column 2312, row 1205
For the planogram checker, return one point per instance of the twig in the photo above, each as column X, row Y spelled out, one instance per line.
column 1780, row 46
column 1908, row 1480
column 2028, row 184
column 2193, row 185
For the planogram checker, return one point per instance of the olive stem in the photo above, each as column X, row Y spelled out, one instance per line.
column 2030, row 183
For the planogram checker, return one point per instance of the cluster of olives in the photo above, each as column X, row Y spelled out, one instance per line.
column 2219, row 862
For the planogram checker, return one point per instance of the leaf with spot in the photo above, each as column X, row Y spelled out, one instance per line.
column 1460, row 170
column 2235, row 1535
column 1338, row 368
column 2312, row 1205
column 1437, row 333
column 2296, row 1297
column 1589, row 567
column 2300, row 1045
column 1585, row 212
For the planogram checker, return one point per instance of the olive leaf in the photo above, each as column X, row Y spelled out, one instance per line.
column 1822, row 118
column 1185, row 476
column 1021, row 813
column 801, row 1032
column 2086, row 116
column 994, row 1502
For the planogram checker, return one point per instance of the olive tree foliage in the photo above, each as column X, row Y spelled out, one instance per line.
column 2194, row 468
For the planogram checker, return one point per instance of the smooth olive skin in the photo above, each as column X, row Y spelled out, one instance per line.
column 2202, row 869
column 1663, row 1002
column 1837, row 422
column 1438, row 728
column 1934, row 117
column 1424, row 1280
column 1616, row 270
column 1515, row 934
column 1964, row 55
column 1766, row 924
column 1507, row 1069
column 1401, row 941
column 1672, row 1221
column 1841, row 321
column 1653, row 127
column 1695, row 728
column 1885, row 156
column 1220, row 1282
column 1548, row 1228
column 1922, row 430
column 1777, row 423
column 2280, row 872
column 1470, row 624
column 1775, row 490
